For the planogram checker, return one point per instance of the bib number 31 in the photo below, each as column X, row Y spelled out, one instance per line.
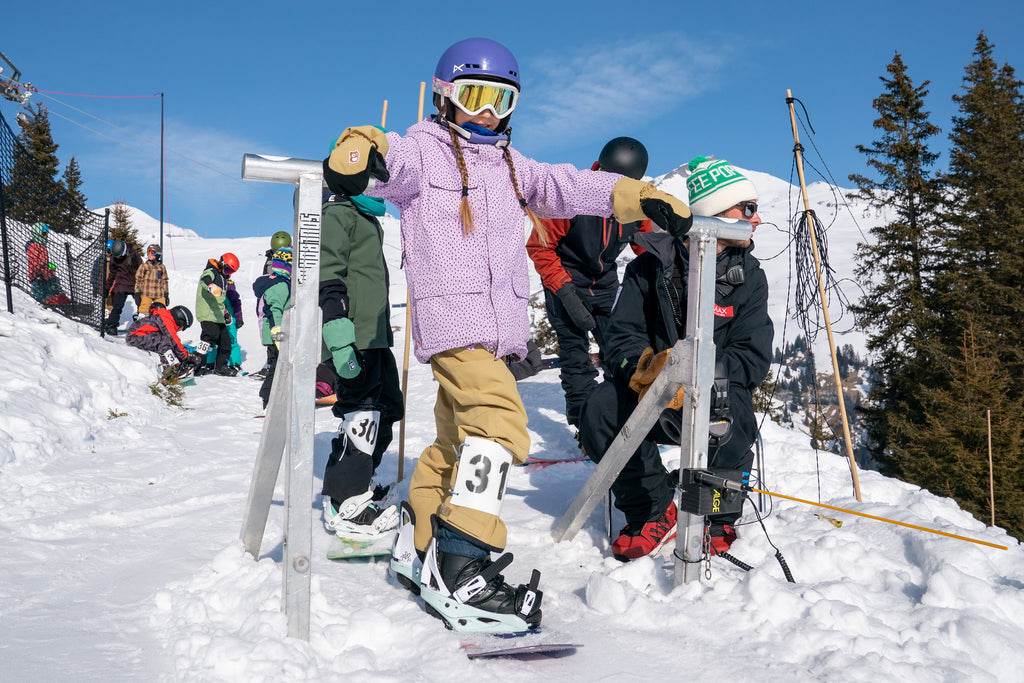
column 482, row 475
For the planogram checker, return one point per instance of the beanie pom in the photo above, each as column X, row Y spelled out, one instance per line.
column 697, row 161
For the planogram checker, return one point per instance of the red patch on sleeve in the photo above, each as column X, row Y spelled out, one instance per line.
column 723, row 311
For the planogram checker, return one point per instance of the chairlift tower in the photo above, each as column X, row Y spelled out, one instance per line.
column 11, row 87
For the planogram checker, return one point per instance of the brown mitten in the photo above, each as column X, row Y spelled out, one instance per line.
column 647, row 369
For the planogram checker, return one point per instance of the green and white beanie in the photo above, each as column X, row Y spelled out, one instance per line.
column 715, row 185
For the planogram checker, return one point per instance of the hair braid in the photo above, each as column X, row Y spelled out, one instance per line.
column 465, row 213
column 538, row 225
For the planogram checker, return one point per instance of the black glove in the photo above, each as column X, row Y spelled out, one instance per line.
column 238, row 323
column 661, row 213
column 574, row 306
column 227, row 318
column 529, row 366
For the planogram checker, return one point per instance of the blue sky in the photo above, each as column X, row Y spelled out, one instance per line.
column 285, row 78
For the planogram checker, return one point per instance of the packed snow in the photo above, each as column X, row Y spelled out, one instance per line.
column 122, row 561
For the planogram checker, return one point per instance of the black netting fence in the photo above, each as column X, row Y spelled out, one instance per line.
column 53, row 247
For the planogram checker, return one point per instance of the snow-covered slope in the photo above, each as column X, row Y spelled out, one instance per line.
column 121, row 560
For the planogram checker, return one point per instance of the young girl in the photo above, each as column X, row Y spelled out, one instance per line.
column 151, row 280
column 463, row 193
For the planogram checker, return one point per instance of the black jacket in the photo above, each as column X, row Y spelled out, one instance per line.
column 582, row 250
column 651, row 310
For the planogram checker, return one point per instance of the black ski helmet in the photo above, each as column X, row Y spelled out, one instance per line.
column 182, row 317
column 625, row 156
column 118, row 248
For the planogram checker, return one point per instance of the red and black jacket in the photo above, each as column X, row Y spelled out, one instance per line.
column 583, row 250
column 157, row 332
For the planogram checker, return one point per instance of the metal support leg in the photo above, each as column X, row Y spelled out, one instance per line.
column 290, row 415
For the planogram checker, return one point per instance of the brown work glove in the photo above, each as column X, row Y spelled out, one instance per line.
column 647, row 369
column 635, row 200
column 357, row 155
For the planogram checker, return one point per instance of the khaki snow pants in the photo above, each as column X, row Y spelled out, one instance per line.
column 476, row 396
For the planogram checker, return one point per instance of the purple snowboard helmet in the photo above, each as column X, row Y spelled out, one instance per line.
column 476, row 58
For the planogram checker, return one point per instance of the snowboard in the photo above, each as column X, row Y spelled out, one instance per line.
column 529, row 645
column 348, row 549
column 540, row 463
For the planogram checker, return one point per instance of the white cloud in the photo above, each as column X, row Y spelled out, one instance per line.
column 572, row 95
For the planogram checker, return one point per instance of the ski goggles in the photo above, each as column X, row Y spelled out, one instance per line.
column 152, row 253
column 473, row 97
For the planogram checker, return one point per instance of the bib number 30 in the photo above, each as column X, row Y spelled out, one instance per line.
column 361, row 428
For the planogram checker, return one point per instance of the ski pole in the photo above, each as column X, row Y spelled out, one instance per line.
column 721, row 482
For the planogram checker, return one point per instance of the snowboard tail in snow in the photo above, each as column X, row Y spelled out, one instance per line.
column 534, row 644
column 352, row 549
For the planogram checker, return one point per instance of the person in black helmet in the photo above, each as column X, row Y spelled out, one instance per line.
column 577, row 267
column 124, row 262
column 158, row 332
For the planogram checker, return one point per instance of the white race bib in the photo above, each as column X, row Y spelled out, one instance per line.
column 360, row 428
column 482, row 474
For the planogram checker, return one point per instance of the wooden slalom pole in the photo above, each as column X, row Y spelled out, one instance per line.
column 408, row 330
column 991, row 481
column 809, row 216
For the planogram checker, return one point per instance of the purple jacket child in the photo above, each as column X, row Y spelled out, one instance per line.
column 234, row 303
column 473, row 289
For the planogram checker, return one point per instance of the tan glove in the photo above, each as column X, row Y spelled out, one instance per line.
column 357, row 154
column 635, row 200
column 647, row 370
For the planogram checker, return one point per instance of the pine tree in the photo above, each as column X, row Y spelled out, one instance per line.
column 33, row 193
column 72, row 204
column 984, row 247
column 121, row 227
column 896, row 267
column 948, row 451
column 937, row 434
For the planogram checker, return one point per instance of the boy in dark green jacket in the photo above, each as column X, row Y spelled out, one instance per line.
column 357, row 334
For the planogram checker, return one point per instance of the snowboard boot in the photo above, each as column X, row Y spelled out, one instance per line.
column 470, row 594
column 406, row 561
column 637, row 540
column 369, row 516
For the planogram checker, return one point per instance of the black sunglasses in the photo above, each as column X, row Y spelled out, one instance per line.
column 749, row 208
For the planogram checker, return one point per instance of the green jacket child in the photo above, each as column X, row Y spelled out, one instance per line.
column 273, row 294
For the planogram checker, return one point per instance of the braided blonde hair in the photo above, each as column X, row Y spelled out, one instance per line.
column 466, row 214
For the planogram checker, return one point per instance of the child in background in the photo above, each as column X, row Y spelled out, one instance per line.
column 212, row 313
column 158, row 332
column 42, row 272
column 124, row 262
column 357, row 332
column 273, row 294
column 151, row 280
column 463, row 193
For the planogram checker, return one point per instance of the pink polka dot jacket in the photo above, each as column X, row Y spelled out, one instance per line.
column 473, row 289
